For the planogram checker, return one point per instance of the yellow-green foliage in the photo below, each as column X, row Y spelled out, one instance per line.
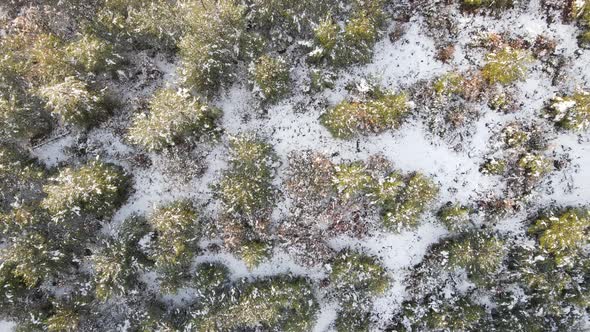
column 22, row 116
column 500, row 4
column 506, row 66
column 563, row 235
column 571, row 112
column 460, row 316
column 448, row 84
column 278, row 304
column 355, row 42
column 455, row 217
column 28, row 251
column 174, row 117
column 348, row 119
column 581, row 11
column 17, row 171
column 246, row 189
column 98, row 188
column 535, row 165
column 353, row 271
column 112, row 268
column 326, row 34
column 212, row 43
column 481, row 255
column 352, row 180
column 156, row 23
column 254, row 252
column 37, row 58
column 494, row 166
column 90, row 53
column 64, row 320
column 404, row 210
column 73, row 102
column 272, row 77
column 177, row 227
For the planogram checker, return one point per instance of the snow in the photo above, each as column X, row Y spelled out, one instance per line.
column 293, row 125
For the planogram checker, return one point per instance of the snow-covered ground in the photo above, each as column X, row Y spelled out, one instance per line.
column 293, row 125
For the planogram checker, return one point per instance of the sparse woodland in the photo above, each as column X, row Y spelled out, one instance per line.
column 278, row 165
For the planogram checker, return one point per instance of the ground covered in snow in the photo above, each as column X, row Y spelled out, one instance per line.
column 448, row 138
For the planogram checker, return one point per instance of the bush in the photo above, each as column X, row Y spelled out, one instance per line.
column 174, row 118
column 494, row 166
column 97, row 188
column 455, row 217
column 357, row 272
column 352, row 180
column 506, row 66
column 212, row 44
column 210, row 276
column 405, row 210
column 271, row 75
column 571, row 112
column 348, row 119
column 246, row 188
column 28, row 251
column 73, row 102
column 449, row 84
column 113, row 268
column 278, row 303
column 355, row 42
column 177, row 229
column 562, row 235
column 91, row 54
column 64, row 320
column 535, row 165
column 498, row 4
column 22, row 116
column 254, row 252
column 463, row 315
column 480, row 254
column 20, row 176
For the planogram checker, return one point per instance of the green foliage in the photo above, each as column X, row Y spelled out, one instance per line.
column 506, row 66
column 463, row 315
column 29, row 253
column 246, row 189
column 353, row 316
column 349, row 119
column 515, row 137
column 177, row 229
column 535, row 165
column 254, row 252
column 22, row 116
column 354, row 43
column 455, row 217
column 97, row 188
column 174, row 117
column 562, row 235
column 156, row 23
column 352, row 180
column 212, row 44
column 405, row 209
column 498, row 4
column 20, row 176
column 494, row 166
column 481, row 255
column 90, row 53
column 272, row 77
column 277, row 303
column 210, row 276
column 571, row 112
column 64, row 320
column 73, row 102
column 113, row 268
column 353, row 271
column 448, row 84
